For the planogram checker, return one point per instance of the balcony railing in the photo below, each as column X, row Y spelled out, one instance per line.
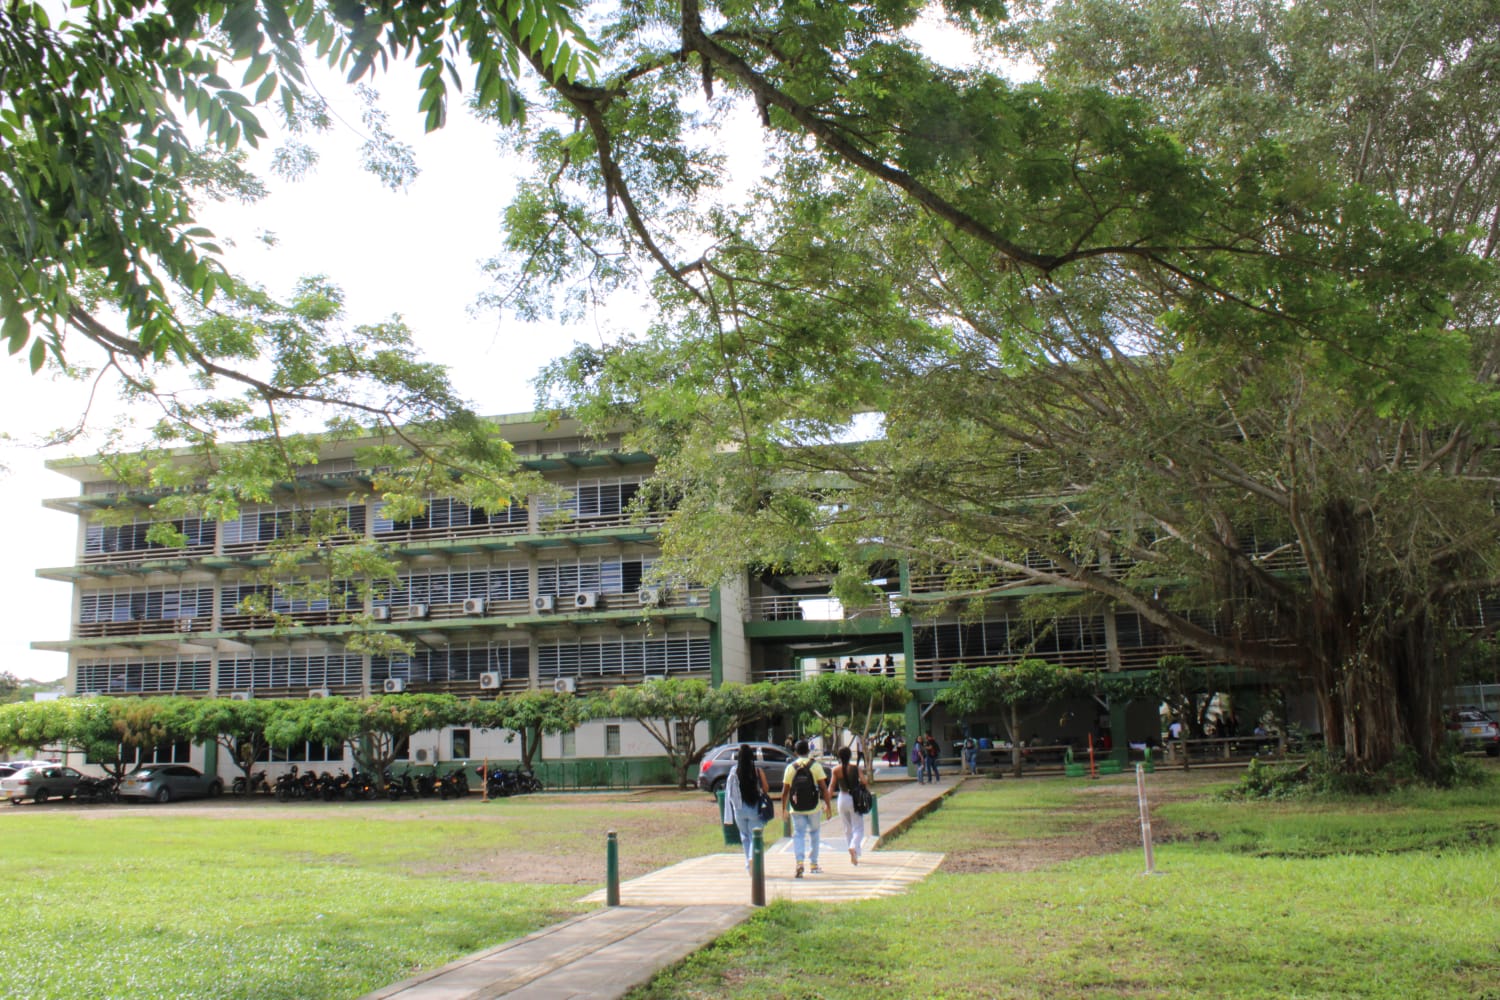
column 816, row 608
column 145, row 626
column 146, row 555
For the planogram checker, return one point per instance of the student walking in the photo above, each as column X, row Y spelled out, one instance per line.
column 853, row 787
column 804, row 792
column 743, row 790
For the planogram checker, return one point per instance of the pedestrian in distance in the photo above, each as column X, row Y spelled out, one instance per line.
column 743, row 790
column 917, row 760
column 805, row 801
column 844, row 780
column 930, row 757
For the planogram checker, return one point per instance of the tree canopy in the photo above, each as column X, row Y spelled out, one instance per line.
column 1199, row 326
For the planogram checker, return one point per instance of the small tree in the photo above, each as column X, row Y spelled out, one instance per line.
column 1029, row 685
column 856, row 702
column 529, row 715
column 372, row 728
column 671, row 711
column 238, row 727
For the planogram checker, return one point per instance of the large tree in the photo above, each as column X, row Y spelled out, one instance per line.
column 1177, row 356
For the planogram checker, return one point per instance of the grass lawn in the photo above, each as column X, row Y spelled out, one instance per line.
column 259, row 901
column 1397, row 899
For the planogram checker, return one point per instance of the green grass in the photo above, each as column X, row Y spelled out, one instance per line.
column 1396, row 899
column 140, row 903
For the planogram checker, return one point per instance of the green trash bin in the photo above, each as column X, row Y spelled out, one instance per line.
column 731, row 830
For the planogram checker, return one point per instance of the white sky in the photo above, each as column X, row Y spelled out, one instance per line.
column 414, row 252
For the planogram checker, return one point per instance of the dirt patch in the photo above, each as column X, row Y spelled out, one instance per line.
column 1103, row 818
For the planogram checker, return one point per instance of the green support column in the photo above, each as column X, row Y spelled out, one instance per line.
column 715, row 639
column 211, row 757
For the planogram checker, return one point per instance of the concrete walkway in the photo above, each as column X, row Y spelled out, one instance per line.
column 667, row 915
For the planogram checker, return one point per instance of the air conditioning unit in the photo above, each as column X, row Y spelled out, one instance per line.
column 418, row 611
column 651, row 597
column 489, row 680
column 319, row 693
column 655, row 677
column 394, row 685
column 565, row 685
column 239, row 696
column 380, row 614
column 184, row 624
column 586, row 599
column 474, row 606
column 543, row 602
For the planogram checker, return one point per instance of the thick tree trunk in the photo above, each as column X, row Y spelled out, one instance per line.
column 1379, row 681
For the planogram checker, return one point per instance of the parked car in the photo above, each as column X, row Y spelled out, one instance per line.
column 719, row 761
column 1475, row 730
column 51, row 781
column 167, row 782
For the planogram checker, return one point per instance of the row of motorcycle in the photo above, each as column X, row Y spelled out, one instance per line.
column 356, row 785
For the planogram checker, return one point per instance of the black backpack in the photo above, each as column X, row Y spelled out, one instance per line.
column 804, row 788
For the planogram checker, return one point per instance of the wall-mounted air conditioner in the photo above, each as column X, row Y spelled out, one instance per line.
column 474, row 606
column 394, row 685
column 586, row 599
column 239, row 696
column 655, row 677
column 543, row 602
column 565, row 685
column 650, row 597
column 418, row 611
column 380, row 614
column 319, row 693
column 489, row 680
column 184, row 624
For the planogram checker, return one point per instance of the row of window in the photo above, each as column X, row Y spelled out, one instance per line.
column 624, row 656
column 456, row 663
column 590, row 499
column 147, row 604
column 610, row 656
column 140, row 675
column 248, row 673
column 1003, row 636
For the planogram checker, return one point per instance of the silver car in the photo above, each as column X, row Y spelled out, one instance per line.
column 167, row 782
column 718, row 762
column 50, row 781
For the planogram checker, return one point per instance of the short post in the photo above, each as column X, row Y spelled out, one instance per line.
column 874, row 815
column 1093, row 771
column 485, row 791
column 1140, row 794
column 757, row 867
column 611, row 869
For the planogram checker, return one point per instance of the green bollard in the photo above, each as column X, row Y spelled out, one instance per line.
column 612, row 870
column 874, row 815
column 757, row 867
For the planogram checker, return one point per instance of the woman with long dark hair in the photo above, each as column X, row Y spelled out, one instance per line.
column 742, row 794
column 844, row 779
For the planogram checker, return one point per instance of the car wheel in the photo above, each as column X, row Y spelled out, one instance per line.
column 719, row 785
column 40, row 796
column 164, row 796
column 216, row 789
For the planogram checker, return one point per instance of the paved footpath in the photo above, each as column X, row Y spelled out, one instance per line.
column 667, row 915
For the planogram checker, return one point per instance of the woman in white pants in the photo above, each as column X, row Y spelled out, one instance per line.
column 844, row 779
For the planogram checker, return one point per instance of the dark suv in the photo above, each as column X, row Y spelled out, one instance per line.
column 718, row 762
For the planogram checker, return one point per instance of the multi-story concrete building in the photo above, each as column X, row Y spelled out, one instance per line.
column 553, row 593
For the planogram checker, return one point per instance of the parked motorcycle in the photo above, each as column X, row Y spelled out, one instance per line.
column 97, row 790
column 255, row 783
